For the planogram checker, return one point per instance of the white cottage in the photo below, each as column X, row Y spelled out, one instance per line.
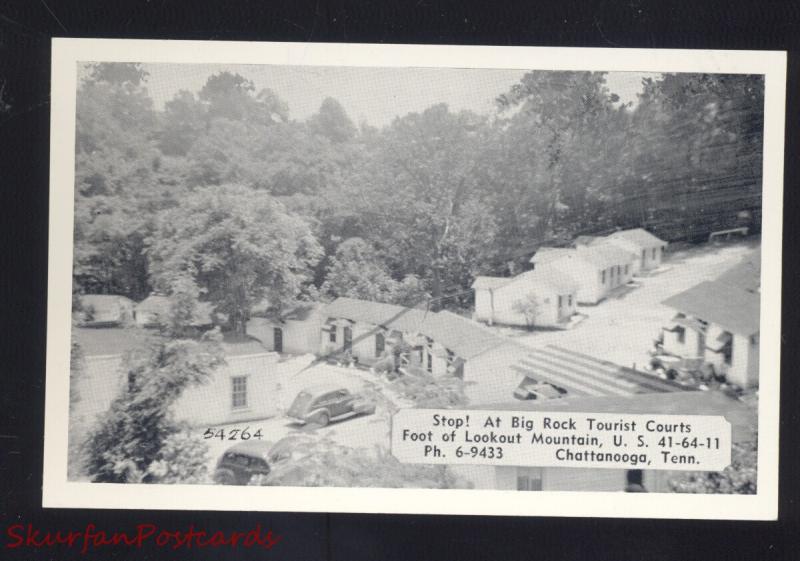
column 719, row 323
column 648, row 250
column 544, row 297
column 295, row 331
column 244, row 388
column 597, row 269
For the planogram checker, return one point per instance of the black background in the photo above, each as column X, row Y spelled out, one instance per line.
column 26, row 28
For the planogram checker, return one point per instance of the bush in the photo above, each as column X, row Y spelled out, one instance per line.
column 310, row 462
column 431, row 392
column 738, row 478
column 137, row 440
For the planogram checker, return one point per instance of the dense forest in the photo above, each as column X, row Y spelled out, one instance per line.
column 224, row 196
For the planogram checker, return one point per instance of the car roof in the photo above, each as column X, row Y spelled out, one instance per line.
column 317, row 389
column 257, row 448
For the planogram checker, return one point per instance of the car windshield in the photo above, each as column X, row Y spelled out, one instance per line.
column 300, row 403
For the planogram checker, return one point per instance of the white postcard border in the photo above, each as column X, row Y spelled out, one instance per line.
column 58, row 492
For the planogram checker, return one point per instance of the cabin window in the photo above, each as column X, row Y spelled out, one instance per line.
column 560, row 301
column 451, row 356
column 529, row 479
column 569, row 300
column 626, row 269
column 380, row 344
column 619, row 271
column 332, row 335
column 239, row 393
column 681, row 333
column 655, row 250
column 429, row 366
column 603, row 276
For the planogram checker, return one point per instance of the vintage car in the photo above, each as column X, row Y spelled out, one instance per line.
column 322, row 404
column 242, row 461
column 530, row 389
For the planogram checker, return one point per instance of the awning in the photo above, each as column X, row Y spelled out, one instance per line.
column 720, row 342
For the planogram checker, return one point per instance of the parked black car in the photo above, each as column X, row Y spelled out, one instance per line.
column 242, row 461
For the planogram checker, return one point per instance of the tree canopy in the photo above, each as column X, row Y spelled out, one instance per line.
column 224, row 188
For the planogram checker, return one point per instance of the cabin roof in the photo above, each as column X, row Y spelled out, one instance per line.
column 732, row 308
column 639, row 237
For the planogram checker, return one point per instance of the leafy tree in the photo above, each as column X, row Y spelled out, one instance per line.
column 332, row 122
column 138, row 440
column 231, row 96
column 116, row 179
column 424, row 207
column 550, row 152
column 528, row 307
column 183, row 121
column 307, row 461
column 237, row 245
column 76, row 437
column 427, row 391
column 698, row 152
column 356, row 271
column 409, row 292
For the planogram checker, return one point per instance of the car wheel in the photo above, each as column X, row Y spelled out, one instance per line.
column 224, row 477
column 323, row 419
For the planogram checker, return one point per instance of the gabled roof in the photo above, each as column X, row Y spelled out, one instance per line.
column 552, row 279
column 741, row 417
column 118, row 341
column 604, row 255
column 548, row 254
column 639, row 237
column 730, row 307
column 491, row 282
column 463, row 336
column 376, row 313
column 746, row 275
column 109, row 341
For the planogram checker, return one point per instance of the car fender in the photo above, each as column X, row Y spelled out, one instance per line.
column 314, row 412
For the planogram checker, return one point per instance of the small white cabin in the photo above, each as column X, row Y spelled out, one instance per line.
column 598, row 269
column 544, row 297
column 647, row 249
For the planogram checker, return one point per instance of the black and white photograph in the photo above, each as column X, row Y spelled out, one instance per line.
column 426, row 276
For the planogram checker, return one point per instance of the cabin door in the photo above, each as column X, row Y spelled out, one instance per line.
column 348, row 338
column 277, row 339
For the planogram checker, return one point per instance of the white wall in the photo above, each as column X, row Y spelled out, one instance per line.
column 363, row 341
column 505, row 305
column 687, row 349
column 103, row 378
column 744, row 368
column 588, row 278
column 299, row 337
column 212, row 403
column 483, row 305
